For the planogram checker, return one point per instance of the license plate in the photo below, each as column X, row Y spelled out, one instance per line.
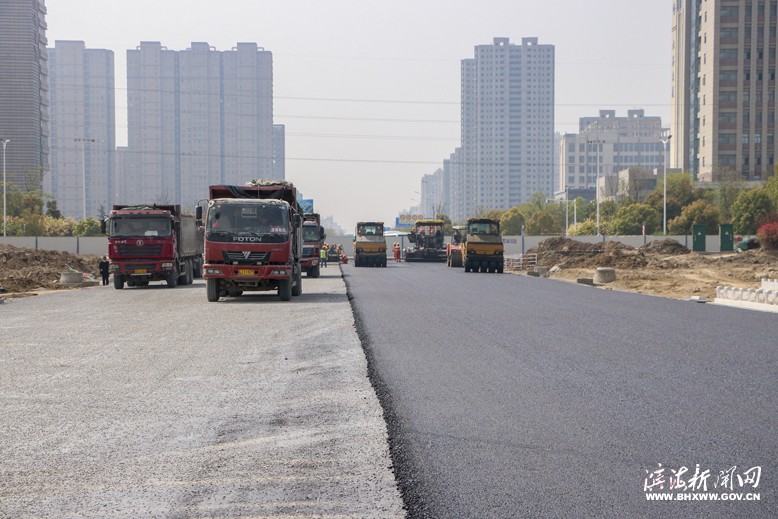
column 245, row 272
column 141, row 271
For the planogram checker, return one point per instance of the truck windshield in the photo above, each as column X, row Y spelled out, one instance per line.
column 483, row 228
column 311, row 233
column 140, row 226
column 370, row 230
column 229, row 221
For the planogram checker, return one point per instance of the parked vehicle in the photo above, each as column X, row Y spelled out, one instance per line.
column 253, row 239
column 369, row 245
column 153, row 243
column 313, row 239
column 483, row 248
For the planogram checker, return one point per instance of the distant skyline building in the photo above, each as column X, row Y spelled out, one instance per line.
column 279, row 152
column 611, row 143
column 24, row 95
column 507, row 148
column 724, row 88
column 83, row 129
column 195, row 118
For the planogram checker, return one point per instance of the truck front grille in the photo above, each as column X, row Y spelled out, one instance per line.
column 245, row 257
column 131, row 250
column 308, row 252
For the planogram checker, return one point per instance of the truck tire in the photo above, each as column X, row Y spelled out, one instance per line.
column 285, row 289
column 314, row 272
column 198, row 268
column 297, row 287
column 189, row 272
column 118, row 282
column 172, row 279
column 212, row 289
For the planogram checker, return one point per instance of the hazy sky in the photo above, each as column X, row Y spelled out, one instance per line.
column 369, row 91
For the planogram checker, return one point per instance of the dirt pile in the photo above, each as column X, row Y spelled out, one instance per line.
column 669, row 247
column 663, row 267
column 567, row 253
column 24, row 270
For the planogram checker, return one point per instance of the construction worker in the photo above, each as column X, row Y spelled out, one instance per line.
column 397, row 256
column 323, row 256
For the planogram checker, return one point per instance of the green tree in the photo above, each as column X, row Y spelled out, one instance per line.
column 584, row 228
column 542, row 223
column 656, row 200
column 511, row 222
column 771, row 187
column 729, row 186
column 51, row 209
column 494, row 214
column 749, row 208
column 698, row 212
column 448, row 228
column 88, row 227
column 629, row 219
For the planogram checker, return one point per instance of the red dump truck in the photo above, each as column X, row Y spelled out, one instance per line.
column 153, row 243
column 313, row 238
column 253, row 239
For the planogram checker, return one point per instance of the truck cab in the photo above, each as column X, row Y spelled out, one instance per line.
column 313, row 238
column 253, row 240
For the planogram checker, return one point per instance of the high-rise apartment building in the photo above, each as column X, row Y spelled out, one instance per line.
column 279, row 152
column 507, row 125
column 24, row 96
column 83, row 135
column 724, row 87
column 610, row 144
column 195, row 118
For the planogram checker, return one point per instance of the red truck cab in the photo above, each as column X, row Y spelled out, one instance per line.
column 152, row 243
column 313, row 238
column 253, row 240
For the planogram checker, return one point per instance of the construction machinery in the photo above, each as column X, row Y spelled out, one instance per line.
column 454, row 248
column 427, row 240
column 369, row 245
column 482, row 248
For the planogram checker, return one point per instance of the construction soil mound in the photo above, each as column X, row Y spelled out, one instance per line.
column 27, row 270
column 567, row 253
column 669, row 247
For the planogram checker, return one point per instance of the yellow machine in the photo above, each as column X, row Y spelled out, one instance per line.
column 483, row 249
column 369, row 245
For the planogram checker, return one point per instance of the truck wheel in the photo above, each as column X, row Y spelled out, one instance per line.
column 212, row 289
column 118, row 282
column 189, row 272
column 285, row 289
column 198, row 268
column 172, row 279
column 297, row 286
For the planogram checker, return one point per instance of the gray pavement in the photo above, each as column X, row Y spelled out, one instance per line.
column 152, row 402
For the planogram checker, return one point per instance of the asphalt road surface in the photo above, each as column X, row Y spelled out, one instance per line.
column 511, row 396
column 152, row 402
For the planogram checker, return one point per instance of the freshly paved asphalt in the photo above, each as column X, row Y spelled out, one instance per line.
column 511, row 396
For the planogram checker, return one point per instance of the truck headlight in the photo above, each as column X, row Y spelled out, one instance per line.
column 213, row 271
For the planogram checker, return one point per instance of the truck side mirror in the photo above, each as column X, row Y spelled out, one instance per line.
column 199, row 216
column 102, row 226
column 322, row 234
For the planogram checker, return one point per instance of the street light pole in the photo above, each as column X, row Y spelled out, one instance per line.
column 5, row 203
column 665, row 142
column 597, row 143
column 83, row 173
